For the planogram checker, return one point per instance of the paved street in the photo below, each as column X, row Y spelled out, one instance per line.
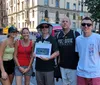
column 33, row 80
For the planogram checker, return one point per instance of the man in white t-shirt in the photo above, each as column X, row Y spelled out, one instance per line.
column 88, row 48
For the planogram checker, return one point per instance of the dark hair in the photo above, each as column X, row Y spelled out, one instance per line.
column 87, row 18
column 24, row 29
column 8, row 36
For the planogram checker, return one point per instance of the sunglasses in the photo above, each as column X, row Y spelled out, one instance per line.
column 44, row 27
column 88, row 24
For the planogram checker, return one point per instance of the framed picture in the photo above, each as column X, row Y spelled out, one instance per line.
column 43, row 49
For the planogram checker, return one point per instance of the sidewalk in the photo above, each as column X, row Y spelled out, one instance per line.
column 33, row 82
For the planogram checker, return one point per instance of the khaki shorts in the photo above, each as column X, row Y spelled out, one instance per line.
column 69, row 76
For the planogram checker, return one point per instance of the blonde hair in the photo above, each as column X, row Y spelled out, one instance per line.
column 65, row 18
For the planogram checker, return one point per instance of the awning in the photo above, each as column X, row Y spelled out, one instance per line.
column 56, row 26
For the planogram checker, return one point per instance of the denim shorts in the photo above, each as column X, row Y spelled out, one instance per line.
column 19, row 73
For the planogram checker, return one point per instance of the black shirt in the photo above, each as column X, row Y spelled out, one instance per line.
column 66, row 44
column 45, row 66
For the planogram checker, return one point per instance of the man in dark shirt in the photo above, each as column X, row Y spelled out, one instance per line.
column 45, row 65
column 68, row 58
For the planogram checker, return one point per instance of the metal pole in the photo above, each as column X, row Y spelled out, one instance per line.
column 82, row 8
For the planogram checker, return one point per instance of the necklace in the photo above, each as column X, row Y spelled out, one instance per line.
column 25, row 43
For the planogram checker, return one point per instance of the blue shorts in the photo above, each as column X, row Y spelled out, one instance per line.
column 19, row 73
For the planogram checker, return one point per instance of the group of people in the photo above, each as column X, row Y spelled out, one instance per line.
column 78, row 55
column 16, row 57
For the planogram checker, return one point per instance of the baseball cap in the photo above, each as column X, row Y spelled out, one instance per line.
column 12, row 29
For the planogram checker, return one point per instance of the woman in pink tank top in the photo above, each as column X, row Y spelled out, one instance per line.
column 23, row 57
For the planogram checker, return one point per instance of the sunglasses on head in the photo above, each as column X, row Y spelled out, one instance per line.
column 44, row 26
column 88, row 24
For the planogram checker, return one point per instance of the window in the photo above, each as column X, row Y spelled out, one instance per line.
column 74, row 25
column 11, row 2
column 11, row 9
column 11, row 20
column 27, row 15
column 8, row 11
column 30, row 24
column 46, row 14
column 7, row 6
column 68, row 5
column 57, row 3
column 22, row 24
column 79, row 6
column 74, row 16
column 45, row 2
column 19, row 25
column 32, row 2
column 18, row 7
column 57, row 17
column 22, row 15
column 52, row 1
column 18, row 16
column 67, row 14
column 33, row 24
column 22, row 5
column 28, row 3
column 14, row 1
column 33, row 13
column 74, row 6
column 14, row 9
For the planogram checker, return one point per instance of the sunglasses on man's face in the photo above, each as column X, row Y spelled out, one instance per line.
column 44, row 27
column 88, row 24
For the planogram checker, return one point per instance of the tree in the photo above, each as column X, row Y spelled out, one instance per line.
column 94, row 9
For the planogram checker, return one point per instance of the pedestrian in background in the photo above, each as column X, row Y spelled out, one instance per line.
column 88, row 48
column 23, row 57
column 45, row 66
column 68, row 58
column 6, row 57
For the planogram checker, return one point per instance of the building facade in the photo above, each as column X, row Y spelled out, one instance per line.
column 3, row 14
column 29, row 13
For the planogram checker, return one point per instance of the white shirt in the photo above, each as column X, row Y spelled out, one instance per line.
column 89, row 58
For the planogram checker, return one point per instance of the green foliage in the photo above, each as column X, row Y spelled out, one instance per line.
column 94, row 9
column 21, row 37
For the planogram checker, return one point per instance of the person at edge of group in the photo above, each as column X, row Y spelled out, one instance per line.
column 88, row 48
column 23, row 57
column 6, row 57
column 68, row 58
column 45, row 66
